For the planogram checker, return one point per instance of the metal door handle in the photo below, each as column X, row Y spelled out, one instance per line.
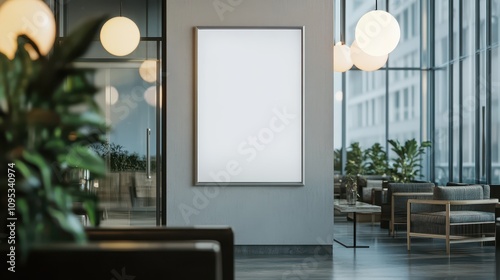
column 148, row 155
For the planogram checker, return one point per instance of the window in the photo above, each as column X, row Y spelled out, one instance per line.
column 406, row 104
column 459, row 90
column 396, row 107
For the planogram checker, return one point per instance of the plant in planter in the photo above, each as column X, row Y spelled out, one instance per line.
column 355, row 159
column 337, row 160
column 119, row 158
column 377, row 160
column 351, row 186
column 48, row 117
column 406, row 165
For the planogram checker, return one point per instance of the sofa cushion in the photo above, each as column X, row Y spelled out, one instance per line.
column 400, row 202
column 471, row 192
column 455, row 217
column 459, row 192
column 457, row 184
column 409, row 188
column 367, row 191
column 486, row 188
column 374, row 184
column 486, row 191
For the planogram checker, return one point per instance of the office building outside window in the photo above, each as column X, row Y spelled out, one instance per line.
column 446, row 67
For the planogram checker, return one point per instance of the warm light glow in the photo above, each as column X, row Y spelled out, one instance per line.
column 339, row 95
column 365, row 61
column 31, row 17
column 377, row 33
column 150, row 96
column 147, row 70
column 113, row 95
column 120, row 36
column 341, row 57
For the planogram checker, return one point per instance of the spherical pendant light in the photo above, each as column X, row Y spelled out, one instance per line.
column 339, row 95
column 341, row 57
column 147, row 70
column 365, row 61
column 377, row 33
column 120, row 36
column 150, row 96
column 113, row 96
column 31, row 17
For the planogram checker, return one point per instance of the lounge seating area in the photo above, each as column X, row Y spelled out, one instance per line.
column 457, row 214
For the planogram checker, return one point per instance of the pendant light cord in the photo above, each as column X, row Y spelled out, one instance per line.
column 147, row 24
column 121, row 7
column 376, row 5
column 342, row 21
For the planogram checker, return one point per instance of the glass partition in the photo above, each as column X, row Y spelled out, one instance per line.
column 129, row 95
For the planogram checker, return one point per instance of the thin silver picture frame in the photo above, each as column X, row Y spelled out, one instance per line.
column 249, row 106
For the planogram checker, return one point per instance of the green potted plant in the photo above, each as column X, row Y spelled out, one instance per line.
column 48, row 118
column 351, row 187
column 337, row 160
column 376, row 160
column 406, row 165
column 119, row 158
column 355, row 159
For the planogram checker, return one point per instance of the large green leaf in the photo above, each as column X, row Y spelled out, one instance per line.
column 23, row 70
column 42, row 133
column 92, row 210
column 56, row 144
column 69, row 223
column 87, row 118
column 43, row 167
column 77, row 43
column 85, row 158
column 71, row 47
column 406, row 166
column 5, row 66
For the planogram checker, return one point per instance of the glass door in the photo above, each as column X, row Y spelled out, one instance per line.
column 129, row 97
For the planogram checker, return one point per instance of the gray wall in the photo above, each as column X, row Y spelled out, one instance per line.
column 262, row 215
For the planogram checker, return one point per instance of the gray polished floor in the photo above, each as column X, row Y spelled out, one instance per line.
column 386, row 258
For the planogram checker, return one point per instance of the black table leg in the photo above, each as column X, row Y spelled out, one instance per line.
column 354, row 236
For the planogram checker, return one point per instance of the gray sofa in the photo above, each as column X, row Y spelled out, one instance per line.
column 394, row 210
column 457, row 214
column 368, row 183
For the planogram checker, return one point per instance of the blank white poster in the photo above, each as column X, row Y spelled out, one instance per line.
column 249, row 105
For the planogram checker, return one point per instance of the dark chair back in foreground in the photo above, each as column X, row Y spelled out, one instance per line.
column 187, row 260
column 223, row 235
